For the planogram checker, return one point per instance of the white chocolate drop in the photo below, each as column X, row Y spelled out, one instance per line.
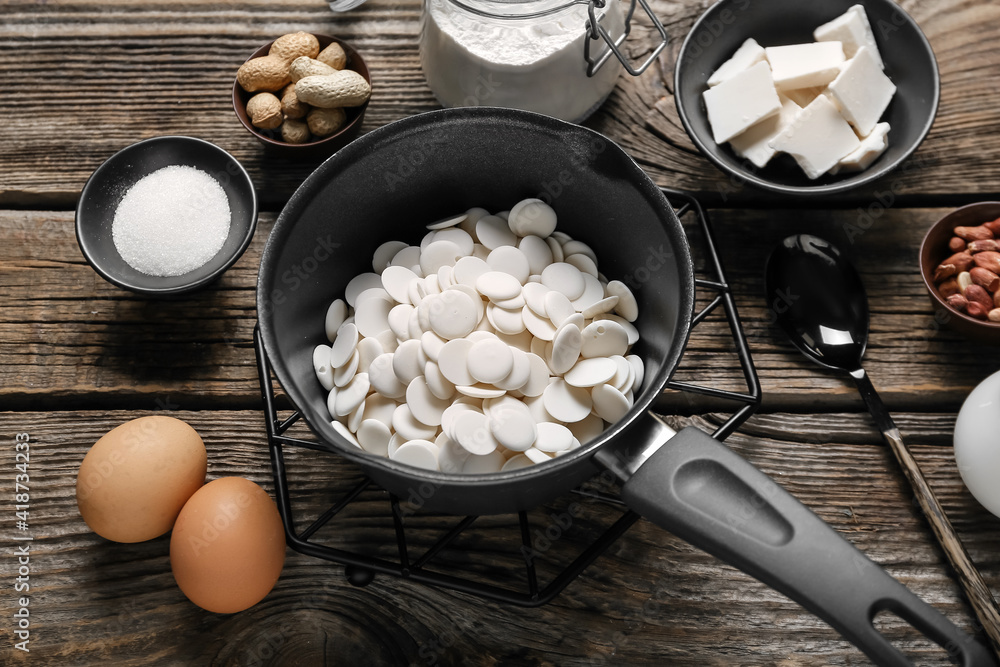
column 490, row 361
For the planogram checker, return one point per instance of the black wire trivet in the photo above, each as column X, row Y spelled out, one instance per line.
column 360, row 568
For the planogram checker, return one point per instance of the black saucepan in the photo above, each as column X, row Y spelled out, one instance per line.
column 396, row 179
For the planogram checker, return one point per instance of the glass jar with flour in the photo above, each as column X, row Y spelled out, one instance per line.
column 557, row 57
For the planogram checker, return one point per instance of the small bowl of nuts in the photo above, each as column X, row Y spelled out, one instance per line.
column 960, row 265
column 303, row 95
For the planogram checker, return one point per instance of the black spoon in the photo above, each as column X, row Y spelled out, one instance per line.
column 821, row 304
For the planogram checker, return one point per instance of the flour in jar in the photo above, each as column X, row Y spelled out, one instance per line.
column 535, row 64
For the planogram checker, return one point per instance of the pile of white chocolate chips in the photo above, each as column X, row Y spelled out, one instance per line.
column 493, row 345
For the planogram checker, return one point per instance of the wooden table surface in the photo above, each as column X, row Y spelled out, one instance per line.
column 84, row 78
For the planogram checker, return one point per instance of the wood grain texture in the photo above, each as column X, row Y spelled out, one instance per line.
column 976, row 590
column 651, row 599
column 84, row 79
column 68, row 338
column 121, row 71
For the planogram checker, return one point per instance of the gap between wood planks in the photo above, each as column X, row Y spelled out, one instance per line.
column 711, row 199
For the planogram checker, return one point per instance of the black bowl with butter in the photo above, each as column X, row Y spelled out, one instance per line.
column 715, row 37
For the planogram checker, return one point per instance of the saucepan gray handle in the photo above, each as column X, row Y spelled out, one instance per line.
column 700, row 490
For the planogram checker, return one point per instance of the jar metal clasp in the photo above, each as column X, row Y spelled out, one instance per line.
column 597, row 31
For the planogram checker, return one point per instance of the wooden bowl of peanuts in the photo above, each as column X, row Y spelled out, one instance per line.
column 266, row 95
column 960, row 265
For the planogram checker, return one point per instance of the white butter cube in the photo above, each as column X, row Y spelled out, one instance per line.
column 740, row 102
column 804, row 65
column 754, row 144
column 871, row 147
column 851, row 29
column 817, row 138
column 749, row 54
column 862, row 91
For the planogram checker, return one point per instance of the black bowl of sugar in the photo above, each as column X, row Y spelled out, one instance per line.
column 166, row 215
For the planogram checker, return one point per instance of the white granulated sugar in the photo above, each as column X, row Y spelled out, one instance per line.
column 172, row 221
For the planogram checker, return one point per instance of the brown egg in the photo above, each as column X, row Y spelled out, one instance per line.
column 228, row 546
column 134, row 480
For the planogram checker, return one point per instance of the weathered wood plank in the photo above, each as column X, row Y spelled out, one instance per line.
column 123, row 71
column 83, row 80
column 651, row 599
column 68, row 338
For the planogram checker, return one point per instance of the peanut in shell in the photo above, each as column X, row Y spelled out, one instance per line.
column 333, row 55
column 302, row 67
column 291, row 46
column 267, row 73
column 290, row 104
column 294, row 131
column 344, row 88
column 264, row 110
column 325, row 121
